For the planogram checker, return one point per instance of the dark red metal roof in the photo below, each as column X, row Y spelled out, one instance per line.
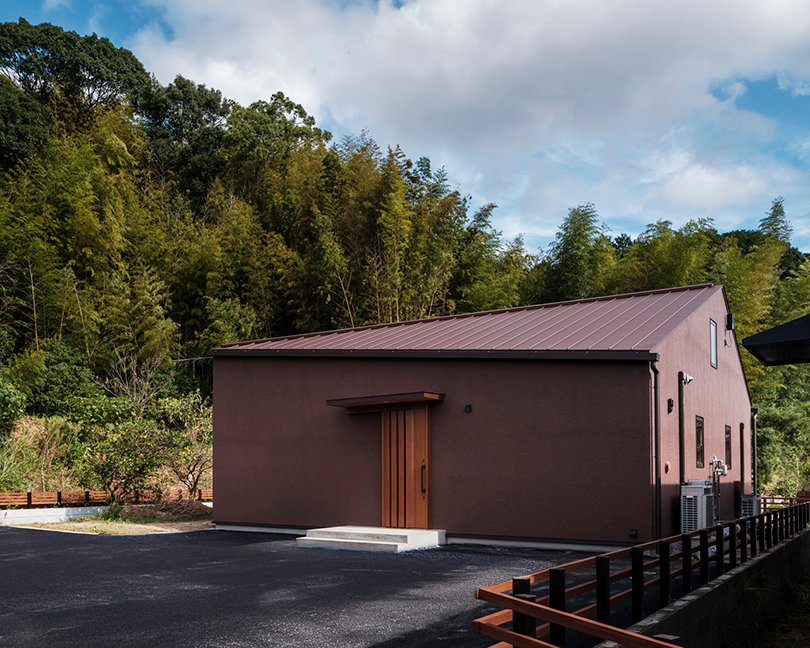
column 626, row 326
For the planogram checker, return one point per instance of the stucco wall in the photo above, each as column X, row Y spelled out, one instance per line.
column 718, row 395
column 556, row 450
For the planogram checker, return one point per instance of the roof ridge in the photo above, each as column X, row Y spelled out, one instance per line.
column 528, row 307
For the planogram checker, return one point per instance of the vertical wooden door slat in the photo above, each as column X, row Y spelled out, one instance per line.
column 401, row 432
column 412, row 483
column 386, row 469
column 421, row 459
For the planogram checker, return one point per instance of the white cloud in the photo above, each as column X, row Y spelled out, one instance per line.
column 613, row 99
column 50, row 5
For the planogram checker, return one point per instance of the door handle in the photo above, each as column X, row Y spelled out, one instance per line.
column 424, row 478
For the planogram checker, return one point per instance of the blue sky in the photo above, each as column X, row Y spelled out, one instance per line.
column 674, row 110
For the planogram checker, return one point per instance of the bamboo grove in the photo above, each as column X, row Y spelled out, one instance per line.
column 141, row 225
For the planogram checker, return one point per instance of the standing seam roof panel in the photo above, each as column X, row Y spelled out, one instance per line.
column 632, row 322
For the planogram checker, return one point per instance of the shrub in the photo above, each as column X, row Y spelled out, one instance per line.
column 12, row 405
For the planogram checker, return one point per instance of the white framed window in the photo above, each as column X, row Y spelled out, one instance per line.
column 713, row 343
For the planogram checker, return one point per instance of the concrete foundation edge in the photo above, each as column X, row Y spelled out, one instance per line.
column 12, row 517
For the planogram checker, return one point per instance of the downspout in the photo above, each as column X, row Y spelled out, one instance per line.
column 657, row 451
column 742, row 459
column 754, row 466
column 681, row 449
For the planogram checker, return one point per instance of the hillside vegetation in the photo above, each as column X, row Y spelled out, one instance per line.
column 141, row 225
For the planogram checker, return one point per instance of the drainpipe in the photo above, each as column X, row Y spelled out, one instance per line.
column 754, row 479
column 657, row 451
column 742, row 459
column 681, row 449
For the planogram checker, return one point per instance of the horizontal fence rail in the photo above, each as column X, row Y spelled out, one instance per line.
column 31, row 499
column 600, row 595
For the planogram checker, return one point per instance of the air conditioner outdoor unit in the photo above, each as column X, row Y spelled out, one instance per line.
column 697, row 505
column 750, row 505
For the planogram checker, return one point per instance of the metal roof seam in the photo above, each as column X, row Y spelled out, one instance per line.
column 640, row 305
column 687, row 304
column 611, row 323
column 532, row 307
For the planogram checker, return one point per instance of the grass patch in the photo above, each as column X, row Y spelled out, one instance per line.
column 162, row 511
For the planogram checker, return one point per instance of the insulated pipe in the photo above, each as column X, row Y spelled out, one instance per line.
column 681, row 448
column 754, row 479
column 657, row 451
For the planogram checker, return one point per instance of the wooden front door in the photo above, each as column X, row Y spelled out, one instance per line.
column 405, row 472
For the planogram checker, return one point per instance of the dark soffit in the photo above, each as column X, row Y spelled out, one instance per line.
column 788, row 343
column 363, row 402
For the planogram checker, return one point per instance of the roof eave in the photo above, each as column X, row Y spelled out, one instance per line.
column 623, row 355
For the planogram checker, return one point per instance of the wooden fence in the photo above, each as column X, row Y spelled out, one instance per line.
column 533, row 607
column 32, row 499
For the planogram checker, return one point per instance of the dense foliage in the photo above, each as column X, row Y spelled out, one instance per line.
column 142, row 225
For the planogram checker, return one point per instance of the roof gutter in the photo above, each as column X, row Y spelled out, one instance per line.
column 642, row 356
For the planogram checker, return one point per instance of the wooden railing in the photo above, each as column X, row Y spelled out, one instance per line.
column 612, row 590
column 32, row 499
column 777, row 501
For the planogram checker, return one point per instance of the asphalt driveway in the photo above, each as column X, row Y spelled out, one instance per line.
column 220, row 588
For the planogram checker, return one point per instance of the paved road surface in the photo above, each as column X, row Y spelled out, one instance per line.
column 229, row 589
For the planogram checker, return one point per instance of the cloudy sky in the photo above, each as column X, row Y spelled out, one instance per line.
column 669, row 109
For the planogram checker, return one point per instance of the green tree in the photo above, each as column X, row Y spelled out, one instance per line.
column 775, row 224
column 75, row 74
column 190, row 430
column 580, row 257
column 12, row 405
column 122, row 458
column 23, row 125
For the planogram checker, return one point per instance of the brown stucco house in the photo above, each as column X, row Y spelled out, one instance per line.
column 573, row 421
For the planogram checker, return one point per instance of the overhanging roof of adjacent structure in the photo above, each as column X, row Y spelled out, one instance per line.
column 617, row 327
column 788, row 343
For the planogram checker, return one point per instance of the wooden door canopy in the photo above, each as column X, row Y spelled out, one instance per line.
column 384, row 402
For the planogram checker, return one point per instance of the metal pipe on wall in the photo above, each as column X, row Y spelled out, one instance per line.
column 754, row 479
column 657, row 450
column 681, row 448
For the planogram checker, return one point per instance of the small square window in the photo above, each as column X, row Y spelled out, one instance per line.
column 713, row 343
column 699, row 459
column 728, row 446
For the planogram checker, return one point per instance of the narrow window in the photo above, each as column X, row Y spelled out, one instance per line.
column 699, row 441
column 713, row 343
column 728, row 446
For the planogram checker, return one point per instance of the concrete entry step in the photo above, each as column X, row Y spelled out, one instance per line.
column 361, row 538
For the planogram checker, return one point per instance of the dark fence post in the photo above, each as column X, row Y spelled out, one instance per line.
column 719, row 550
column 743, row 540
column 732, row 545
column 602, row 589
column 523, row 624
column 86, row 497
column 774, row 529
column 752, row 532
column 763, row 542
column 637, row 578
column 30, row 499
column 780, row 526
column 686, row 563
column 704, row 556
column 556, row 600
column 59, row 498
column 663, row 573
